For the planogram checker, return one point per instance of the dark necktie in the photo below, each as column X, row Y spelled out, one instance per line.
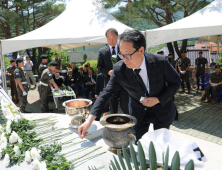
column 139, row 79
column 113, row 52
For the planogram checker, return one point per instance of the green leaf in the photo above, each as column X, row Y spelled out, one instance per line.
column 116, row 162
column 113, row 165
column 190, row 165
column 152, row 157
column 121, row 160
column 126, row 156
column 166, row 161
column 142, row 158
column 133, row 156
column 175, row 164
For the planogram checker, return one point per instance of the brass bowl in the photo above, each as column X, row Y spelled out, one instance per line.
column 77, row 111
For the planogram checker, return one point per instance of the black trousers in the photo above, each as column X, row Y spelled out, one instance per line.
column 197, row 75
column 88, row 88
column 124, row 101
column 143, row 127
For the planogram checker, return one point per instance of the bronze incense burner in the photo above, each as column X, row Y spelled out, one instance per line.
column 118, row 131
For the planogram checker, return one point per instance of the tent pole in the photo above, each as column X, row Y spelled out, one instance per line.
column 60, row 51
column 218, row 43
column 4, row 83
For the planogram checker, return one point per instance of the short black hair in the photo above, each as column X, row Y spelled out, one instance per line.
column 134, row 36
column 86, row 65
column 90, row 68
column 72, row 63
column 111, row 30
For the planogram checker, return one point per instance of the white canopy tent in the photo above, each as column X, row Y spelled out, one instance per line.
column 82, row 23
column 204, row 24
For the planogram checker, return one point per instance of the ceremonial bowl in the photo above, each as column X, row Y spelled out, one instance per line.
column 118, row 130
column 77, row 111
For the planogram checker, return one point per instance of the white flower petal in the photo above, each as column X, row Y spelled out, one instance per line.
column 35, row 154
column 20, row 140
column 6, row 160
column 17, row 150
column 27, row 156
column 14, row 137
column 43, row 166
column 36, row 164
column 0, row 153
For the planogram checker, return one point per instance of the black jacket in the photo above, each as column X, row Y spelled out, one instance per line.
column 74, row 71
column 101, row 82
column 104, row 63
column 70, row 80
column 80, row 77
column 164, row 82
column 87, row 79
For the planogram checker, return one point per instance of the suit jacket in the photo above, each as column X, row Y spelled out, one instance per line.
column 104, row 63
column 164, row 82
column 80, row 77
column 70, row 80
column 87, row 79
column 74, row 71
column 101, row 82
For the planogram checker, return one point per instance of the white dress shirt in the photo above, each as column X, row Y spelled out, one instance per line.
column 143, row 74
column 111, row 49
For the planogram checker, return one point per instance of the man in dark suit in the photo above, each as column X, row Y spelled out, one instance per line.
column 74, row 70
column 70, row 80
column 141, row 75
column 108, row 56
column 89, row 83
column 80, row 77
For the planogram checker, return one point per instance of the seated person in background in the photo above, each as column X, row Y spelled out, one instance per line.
column 89, row 84
column 70, row 80
column 215, row 81
column 85, row 69
column 68, row 66
column 80, row 76
column 74, row 70
column 89, row 67
column 101, row 82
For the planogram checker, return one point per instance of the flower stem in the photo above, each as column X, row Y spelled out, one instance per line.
column 51, row 130
column 69, row 141
column 43, row 118
column 40, row 127
column 68, row 133
column 89, row 158
column 74, row 144
column 85, row 154
column 79, row 149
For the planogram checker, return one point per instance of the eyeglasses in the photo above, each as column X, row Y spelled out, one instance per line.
column 127, row 56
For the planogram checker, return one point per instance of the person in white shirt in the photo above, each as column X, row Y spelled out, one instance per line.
column 28, row 64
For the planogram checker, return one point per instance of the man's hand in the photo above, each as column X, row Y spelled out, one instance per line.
column 150, row 101
column 82, row 130
column 194, row 70
column 72, row 85
column 96, row 96
column 110, row 72
column 92, row 83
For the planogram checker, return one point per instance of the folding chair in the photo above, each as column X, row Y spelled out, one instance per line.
column 207, row 76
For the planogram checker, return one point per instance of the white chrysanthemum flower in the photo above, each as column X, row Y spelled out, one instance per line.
column 43, row 166
column 4, row 146
column 20, row 140
column 14, row 137
column 8, row 129
column 17, row 150
column 6, row 160
column 28, row 156
column 36, row 164
column 3, row 135
column 3, row 140
column 35, row 154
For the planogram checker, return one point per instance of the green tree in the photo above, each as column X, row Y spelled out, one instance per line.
column 158, row 12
